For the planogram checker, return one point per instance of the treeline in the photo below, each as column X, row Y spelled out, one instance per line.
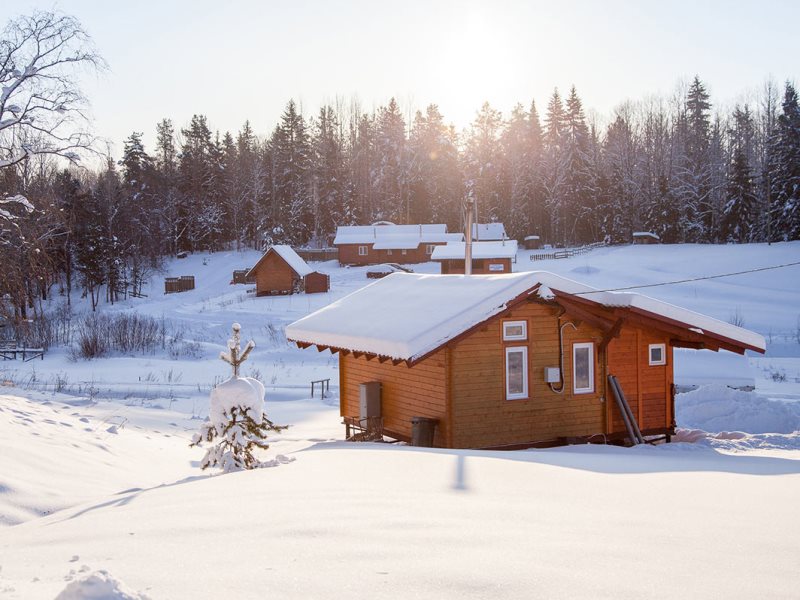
column 670, row 166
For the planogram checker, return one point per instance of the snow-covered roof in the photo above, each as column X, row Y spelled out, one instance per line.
column 645, row 234
column 291, row 257
column 455, row 250
column 406, row 315
column 488, row 231
column 392, row 237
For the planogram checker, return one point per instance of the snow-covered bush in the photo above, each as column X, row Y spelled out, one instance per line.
column 237, row 425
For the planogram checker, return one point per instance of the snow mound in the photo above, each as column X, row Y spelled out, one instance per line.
column 99, row 586
column 587, row 270
column 243, row 392
column 718, row 408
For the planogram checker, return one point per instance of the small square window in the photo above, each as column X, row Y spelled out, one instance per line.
column 658, row 354
column 404, row 252
column 515, row 330
column 363, row 250
column 429, row 249
column 388, row 253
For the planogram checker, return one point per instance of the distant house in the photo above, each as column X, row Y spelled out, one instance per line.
column 532, row 242
column 386, row 242
column 514, row 360
column 645, row 237
column 488, row 232
column 487, row 257
column 281, row 271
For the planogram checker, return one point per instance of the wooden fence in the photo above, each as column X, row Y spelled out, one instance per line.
column 240, row 276
column 318, row 254
column 173, row 285
column 567, row 252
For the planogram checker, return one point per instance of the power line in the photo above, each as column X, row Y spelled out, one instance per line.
column 649, row 285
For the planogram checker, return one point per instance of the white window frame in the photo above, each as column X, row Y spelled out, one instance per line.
column 389, row 252
column 575, row 347
column 363, row 250
column 509, row 337
column 654, row 363
column 403, row 251
column 429, row 249
column 524, row 394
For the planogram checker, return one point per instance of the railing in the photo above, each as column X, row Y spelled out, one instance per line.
column 318, row 254
column 567, row 252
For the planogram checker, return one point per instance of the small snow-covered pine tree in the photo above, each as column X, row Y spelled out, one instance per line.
column 237, row 424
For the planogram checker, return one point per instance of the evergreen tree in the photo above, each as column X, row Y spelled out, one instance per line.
column 785, row 170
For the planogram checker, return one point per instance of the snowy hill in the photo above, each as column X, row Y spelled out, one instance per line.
column 98, row 474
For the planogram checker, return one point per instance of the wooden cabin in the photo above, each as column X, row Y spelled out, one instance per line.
column 279, row 271
column 385, row 242
column 645, row 237
column 532, row 242
column 488, row 258
column 509, row 361
column 316, row 283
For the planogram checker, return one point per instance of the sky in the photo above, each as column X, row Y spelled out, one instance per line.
column 241, row 59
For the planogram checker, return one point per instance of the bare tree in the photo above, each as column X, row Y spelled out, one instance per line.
column 42, row 109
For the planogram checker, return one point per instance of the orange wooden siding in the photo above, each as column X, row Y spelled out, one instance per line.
column 406, row 392
column 646, row 387
column 481, row 415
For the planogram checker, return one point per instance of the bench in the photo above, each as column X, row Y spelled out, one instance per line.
column 324, row 384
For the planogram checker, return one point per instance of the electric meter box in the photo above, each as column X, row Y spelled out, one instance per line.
column 552, row 374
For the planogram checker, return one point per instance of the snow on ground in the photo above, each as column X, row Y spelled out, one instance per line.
column 97, row 471
column 356, row 521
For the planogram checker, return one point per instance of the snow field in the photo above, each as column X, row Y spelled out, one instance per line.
column 364, row 520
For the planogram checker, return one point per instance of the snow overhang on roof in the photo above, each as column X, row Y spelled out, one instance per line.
column 480, row 250
column 649, row 234
column 406, row 316
column 391, row 237
column 488, row 231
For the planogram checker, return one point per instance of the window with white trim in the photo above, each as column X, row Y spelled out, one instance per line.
column 583, row 368
column 429, row 249
column 403, row 251
column 657, row 354
column 516, row 373
column 389, row 252
column 363, row 250
column 515, row 330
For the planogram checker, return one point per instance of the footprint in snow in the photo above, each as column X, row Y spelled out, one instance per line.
column 75, row 558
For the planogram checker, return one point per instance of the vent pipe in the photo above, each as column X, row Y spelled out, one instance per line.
column 468, row 239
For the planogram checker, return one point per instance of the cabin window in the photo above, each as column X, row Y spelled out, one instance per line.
column 388, row 253
column 516, row 373
column 583, row 368
column 496, row 267
column 658, row 354
column 403, row 251
column 429, row 249
column 363, row 250
column 515, row 330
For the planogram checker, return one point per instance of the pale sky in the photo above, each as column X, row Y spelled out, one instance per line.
column 239, row 59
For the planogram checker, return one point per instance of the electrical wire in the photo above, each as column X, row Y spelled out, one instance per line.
column 649, row 285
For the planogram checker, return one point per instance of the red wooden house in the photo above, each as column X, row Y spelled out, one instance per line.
column 386, row 242
column 281, row 271
column 509, row 360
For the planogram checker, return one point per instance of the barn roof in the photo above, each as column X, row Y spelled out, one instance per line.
column 455, row 250
column 297, row 264
column 406, row 316
column 488, row 231
column 394, row 237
